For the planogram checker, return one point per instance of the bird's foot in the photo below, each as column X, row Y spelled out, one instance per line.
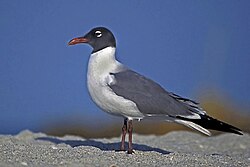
column 130, row 151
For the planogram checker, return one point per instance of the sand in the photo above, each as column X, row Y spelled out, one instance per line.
column 173, row 149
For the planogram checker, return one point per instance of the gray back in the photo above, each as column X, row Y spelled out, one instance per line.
column 149, row 96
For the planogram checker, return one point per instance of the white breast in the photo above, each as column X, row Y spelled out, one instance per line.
column 101, row 64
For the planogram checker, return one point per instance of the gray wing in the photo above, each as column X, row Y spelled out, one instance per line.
column 150, row 97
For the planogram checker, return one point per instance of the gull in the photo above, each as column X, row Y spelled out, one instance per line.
column 120, row 91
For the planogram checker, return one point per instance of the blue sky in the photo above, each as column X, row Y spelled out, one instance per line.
column 186, row 46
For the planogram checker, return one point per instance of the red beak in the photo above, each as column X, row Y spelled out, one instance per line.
column 78, row 40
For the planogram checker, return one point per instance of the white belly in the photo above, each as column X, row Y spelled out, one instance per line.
column 98, row 78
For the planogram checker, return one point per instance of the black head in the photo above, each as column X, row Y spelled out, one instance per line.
column 98, row 38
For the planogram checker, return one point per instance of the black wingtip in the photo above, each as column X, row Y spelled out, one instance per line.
column 237, row 132
column 214, row 124
column 222, row 126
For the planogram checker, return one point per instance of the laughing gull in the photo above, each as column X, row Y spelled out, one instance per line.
column 120, row 91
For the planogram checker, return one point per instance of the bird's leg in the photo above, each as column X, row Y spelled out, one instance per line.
column 124, row 131
column 130, row 131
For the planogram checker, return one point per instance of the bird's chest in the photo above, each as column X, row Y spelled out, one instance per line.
column 98, row 79
column 98, row 84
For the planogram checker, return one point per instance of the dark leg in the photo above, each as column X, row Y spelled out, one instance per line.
column 130, row 131
column 124, row 131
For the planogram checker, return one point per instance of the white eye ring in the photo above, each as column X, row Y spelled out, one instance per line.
column 98, row 34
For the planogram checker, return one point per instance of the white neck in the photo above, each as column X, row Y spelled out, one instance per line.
column 103, row 62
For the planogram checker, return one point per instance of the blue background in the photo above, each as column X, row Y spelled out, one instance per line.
column 189, row 47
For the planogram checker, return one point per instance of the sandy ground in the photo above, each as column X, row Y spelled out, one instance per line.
column 172, row 149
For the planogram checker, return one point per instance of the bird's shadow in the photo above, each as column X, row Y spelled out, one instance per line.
column 101, row 145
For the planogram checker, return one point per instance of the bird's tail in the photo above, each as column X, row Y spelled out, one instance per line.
column 207, row 122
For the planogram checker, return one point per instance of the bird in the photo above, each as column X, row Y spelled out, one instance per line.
column 120, row 91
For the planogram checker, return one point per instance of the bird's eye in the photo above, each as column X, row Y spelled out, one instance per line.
column 98, row 34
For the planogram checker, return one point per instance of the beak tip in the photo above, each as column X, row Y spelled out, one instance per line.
column 72, row 42
column 69, row 43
